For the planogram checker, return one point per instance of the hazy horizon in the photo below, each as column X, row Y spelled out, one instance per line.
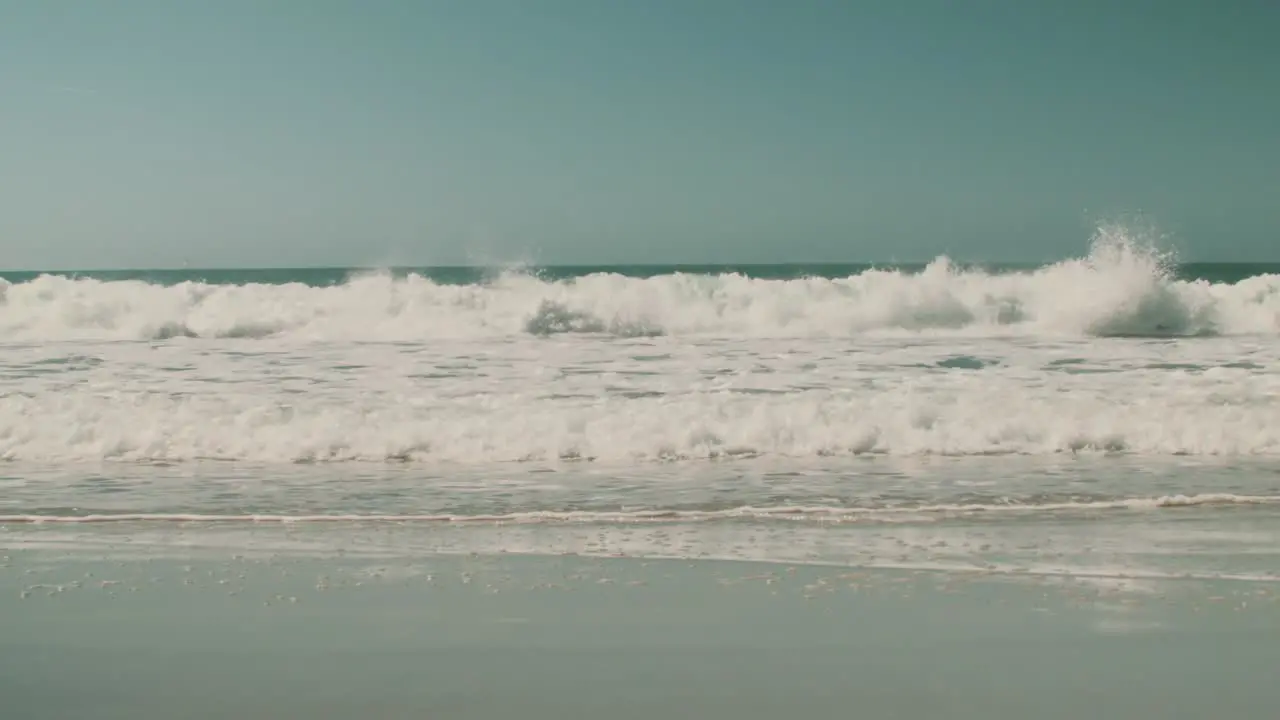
column 635, row 266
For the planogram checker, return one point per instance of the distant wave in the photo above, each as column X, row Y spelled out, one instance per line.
column 788, row 513
column 1122, row 288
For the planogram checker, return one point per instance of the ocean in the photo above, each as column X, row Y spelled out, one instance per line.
column 708, row 467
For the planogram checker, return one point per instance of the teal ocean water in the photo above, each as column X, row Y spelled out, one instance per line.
column 1106, row 425
column 465, row 275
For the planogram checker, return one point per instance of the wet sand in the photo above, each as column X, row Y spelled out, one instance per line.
column 553, row 637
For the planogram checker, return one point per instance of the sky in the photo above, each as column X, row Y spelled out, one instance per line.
column 171, row 133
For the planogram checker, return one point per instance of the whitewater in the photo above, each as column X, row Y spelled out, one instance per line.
column 1107, row 416
column 1121, row 289
column 1109, row 353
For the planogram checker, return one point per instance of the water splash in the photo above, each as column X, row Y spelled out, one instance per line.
column 1124, row 287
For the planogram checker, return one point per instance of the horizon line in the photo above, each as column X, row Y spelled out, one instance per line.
column 577, row 265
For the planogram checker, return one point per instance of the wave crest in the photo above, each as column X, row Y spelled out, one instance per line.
column 1122, row 288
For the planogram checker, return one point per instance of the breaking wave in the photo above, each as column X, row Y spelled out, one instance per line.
column 1122, row 288
column 781, row 513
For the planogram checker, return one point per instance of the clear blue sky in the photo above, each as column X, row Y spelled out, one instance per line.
column 153, row 133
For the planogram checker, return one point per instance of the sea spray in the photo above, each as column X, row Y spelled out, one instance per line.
column 1121, row 288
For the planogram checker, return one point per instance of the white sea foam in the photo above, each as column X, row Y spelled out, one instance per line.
column 1121, row 289
column 712, row 367
column 919, row 412
column 662, row 399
